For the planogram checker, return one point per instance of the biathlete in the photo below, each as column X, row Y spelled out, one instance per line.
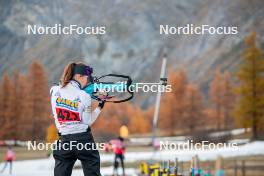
column 9, row 158
column 119, row 151
column 73, row 116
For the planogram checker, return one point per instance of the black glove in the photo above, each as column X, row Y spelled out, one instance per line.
column 101, row 104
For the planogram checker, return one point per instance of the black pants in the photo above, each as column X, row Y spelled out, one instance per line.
column 65, row 159
column 119, row 157
column 10, row 168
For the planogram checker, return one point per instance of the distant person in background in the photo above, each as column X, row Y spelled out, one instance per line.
column 119, row 150
column 9, row 158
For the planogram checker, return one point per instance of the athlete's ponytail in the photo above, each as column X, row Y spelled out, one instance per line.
column 70, row 70
column 67, row 74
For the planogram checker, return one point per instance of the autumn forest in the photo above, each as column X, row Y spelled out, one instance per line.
column 234, row 100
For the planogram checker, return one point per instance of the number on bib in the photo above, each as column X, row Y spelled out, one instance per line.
column 65, row 115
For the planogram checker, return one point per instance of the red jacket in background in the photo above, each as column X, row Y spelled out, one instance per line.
column 118, row 146
column 10, row 155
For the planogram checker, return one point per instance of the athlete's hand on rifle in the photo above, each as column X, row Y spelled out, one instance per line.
column 101, row 104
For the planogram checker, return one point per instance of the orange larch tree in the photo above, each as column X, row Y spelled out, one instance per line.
column 228, row 100
column 9, row 105
column 193, row 114
column 216, row 96
column 172, row 103
column 40, row 96
column 138, row 122
column 25, row 101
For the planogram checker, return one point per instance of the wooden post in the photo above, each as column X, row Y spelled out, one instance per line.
column 176, row 167
column 243, row 168
column 182, row 167
column 163, row 167
column 219, row 166
column 196, row 165
column 209, row 168
column 168, row 170
column 192, row 166
column 235, row 168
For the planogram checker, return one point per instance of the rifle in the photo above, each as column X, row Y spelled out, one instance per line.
column 114, row 88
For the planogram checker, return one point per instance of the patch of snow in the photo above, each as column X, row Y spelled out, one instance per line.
column 44, row 167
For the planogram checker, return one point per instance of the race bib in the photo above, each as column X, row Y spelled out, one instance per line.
column 66, row 115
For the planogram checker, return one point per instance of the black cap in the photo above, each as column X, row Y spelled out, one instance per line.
column 83, row 70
